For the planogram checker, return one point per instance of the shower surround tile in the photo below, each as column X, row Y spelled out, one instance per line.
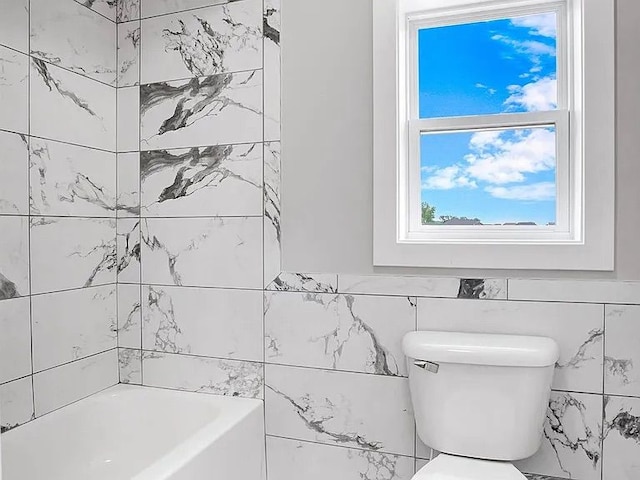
column 130, row 365
column 272, row 231
column 14, row 257
column 340, row 332
column 207, row 181
column 87, row 107
column 622, row 350
column 293, row 460
column 106, row 8
column 161, row 7
column 336, row 408
column 571, row 447
column 128, row 184
column 74, row 37
column 129, row 316
column 14, row 25
column 71, row 325
column 74, row 381
column 128, row 54
column 127, row 10
column 202, row 42
column 128, row 250
column 272, row 94
column 16, row 404
column 304, row 282
column 14, row 91
column 204, row 375
column 219, row 109
column 174, row 251
column 203, row 321
column 128, row 122
column 621, row 434
column 15, row 340
column 14, row 181
column 587, row 291
column 83, row 248
column 67, row 180
column 577, row 328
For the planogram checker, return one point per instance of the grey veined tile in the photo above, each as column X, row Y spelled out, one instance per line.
column 272, row 230
column 14, row 25
column 128, row 246
column 15, row 341
column 130, row 364
column 160, row 7
column 272, row 94
column 103, row 7
column 128, row 54
column 206, row 41
column 14, row 257
column 129, row 316
column 341, row 332
column 294, row 460
column 83, row 248
column 621, row 434
column 14, row 91
column 67, row 180
column 127, row 10
column 71, row 108
column 14, row 181
column 16, row 403
column 222, row 180
column 74, row 37
column 219, row 109
column 622, row 350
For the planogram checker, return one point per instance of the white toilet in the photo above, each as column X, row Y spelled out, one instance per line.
column 480, row 399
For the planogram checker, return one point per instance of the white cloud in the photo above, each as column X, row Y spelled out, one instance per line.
column 447, row 178
column 533, row 192
column 534, row 97
column 499, row 160
column 527, row 47
column 491, row 91
column 543, row 24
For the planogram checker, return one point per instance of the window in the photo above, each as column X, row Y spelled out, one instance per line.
column 493, row 134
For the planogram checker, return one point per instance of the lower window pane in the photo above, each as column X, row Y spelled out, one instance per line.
column 489, row 177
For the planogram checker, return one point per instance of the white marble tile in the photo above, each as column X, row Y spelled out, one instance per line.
column 588, row 291
column 74, row 37
column 160, row 7
column 272, row 94
column 71, row 325
column 223, row 180
column 130, row 364
column 295, row 460
column 83, row 248
column 14, row 25
column 424, row 286
column 106, row 8
column 206, row 41
column 85, row 110
column 578, row 329
column 174, row 251
column 621, row 446
column 67, row 180
column 203, row 375
column 14, row 181
column 272, row 231
column 14, row 91
column 220, row 109
column 305, row 282
column 128, row 183
column 571, row 447
column 129, row 316
column 128, row 248
column 60, row 386
column 128, row 10
column 129, row 54
column 370, row 412
column 203, row 321
column 342, row 332
column 128, row 119
column 15, row 339
column 622, row 350
column 14, row 257
column 16, row 404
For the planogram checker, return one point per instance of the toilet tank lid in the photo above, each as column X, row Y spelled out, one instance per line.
column 481, row 349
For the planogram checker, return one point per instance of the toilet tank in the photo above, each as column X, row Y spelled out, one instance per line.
column 480, row 395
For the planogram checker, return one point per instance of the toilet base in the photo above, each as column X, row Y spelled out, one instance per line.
column 451, row 467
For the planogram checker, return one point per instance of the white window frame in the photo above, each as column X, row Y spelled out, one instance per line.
column 583, row 237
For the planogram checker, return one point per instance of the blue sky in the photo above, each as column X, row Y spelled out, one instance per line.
column 498, row 66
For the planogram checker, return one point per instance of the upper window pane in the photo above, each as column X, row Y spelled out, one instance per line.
column 497, row 66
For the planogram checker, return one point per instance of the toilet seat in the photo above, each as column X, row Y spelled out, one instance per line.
column 450, row 467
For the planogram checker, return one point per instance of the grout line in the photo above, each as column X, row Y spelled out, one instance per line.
column 95, row 11
column 139, row 173
column 33, row 389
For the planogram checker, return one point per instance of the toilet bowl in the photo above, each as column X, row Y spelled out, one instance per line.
column 479, row 399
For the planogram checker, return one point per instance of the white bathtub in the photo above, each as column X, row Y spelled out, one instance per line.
column 140, row 433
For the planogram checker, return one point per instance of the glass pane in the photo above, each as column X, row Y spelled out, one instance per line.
column 489, row 177
column 497, row 66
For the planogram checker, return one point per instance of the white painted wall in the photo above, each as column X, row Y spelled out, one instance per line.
column 327, row 142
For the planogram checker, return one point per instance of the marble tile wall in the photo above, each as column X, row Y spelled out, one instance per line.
column 58, row 296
